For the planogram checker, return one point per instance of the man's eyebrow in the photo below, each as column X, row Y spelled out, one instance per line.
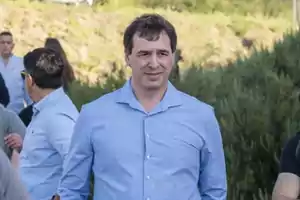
column 163, row 50
column 143, row 51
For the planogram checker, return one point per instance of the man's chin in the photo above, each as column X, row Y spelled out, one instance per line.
column 154, row 85
column 6, row 54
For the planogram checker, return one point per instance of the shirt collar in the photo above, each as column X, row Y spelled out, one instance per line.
column 10, row 58
column 172, row 97
column 48, row 100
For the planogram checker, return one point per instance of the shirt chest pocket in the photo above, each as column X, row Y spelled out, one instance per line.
column 185, row 145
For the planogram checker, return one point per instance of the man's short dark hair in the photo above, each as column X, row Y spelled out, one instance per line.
column 45, row 66
column 149, row 26
column 6, row 33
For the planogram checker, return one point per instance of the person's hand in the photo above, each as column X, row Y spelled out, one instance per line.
column 14, row 141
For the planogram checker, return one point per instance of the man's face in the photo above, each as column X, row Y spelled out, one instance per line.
column 6, row 45
column 151, row 62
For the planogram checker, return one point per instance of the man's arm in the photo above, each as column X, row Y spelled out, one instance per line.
column 16, row 131
column 60, row 131
column 74, row 184
column 15, row 124
column 287, row 186
column 10, row 183
column 212, row 180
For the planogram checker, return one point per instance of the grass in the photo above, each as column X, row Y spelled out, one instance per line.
column 92, row 37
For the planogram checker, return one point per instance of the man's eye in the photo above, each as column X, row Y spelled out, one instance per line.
column 144, row 54
column 163, row 53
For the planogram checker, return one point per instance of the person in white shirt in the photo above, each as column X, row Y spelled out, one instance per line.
column 10, row 68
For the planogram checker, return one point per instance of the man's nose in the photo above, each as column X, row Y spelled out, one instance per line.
column 154, row 63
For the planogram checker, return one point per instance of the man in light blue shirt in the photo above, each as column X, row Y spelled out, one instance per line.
column 147, row 140
column 10, row 68
column 48, row 136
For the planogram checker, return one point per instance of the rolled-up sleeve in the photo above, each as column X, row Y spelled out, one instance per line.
column 212, row 181
column 74, row 184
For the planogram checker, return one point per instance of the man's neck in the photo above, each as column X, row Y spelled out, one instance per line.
column 42, row 93
column 6, row 58
column 149, row 98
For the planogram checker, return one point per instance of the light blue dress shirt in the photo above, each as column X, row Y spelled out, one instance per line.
column 46, row 144
column 15, row 84
column 174, row 152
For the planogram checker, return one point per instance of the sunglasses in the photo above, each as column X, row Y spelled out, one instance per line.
column 24, row 74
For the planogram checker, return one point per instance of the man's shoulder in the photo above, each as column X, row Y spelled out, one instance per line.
column 292, row 146
column 17, row 63
column 65, row 107
column 6, row 113
column 103, row 102
column 2, row 108
column 18, row 59
column 294, row 142
column 295, row 139
column 194, row 103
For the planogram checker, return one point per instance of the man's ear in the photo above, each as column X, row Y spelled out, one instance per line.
column 127, row 59
column 173, row 59
column 31, row 81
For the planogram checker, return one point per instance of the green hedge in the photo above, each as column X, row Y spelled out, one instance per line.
column 257, row 104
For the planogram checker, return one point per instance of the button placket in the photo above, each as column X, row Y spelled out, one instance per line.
column 148, row 156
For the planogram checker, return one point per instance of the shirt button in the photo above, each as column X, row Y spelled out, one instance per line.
column 148, row 136
column 148, row 177
column 148, row 198
column 148, row 157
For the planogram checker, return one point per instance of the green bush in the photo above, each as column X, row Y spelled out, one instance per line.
column 257, row 104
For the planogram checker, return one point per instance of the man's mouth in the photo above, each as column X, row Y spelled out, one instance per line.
column 153, row 74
